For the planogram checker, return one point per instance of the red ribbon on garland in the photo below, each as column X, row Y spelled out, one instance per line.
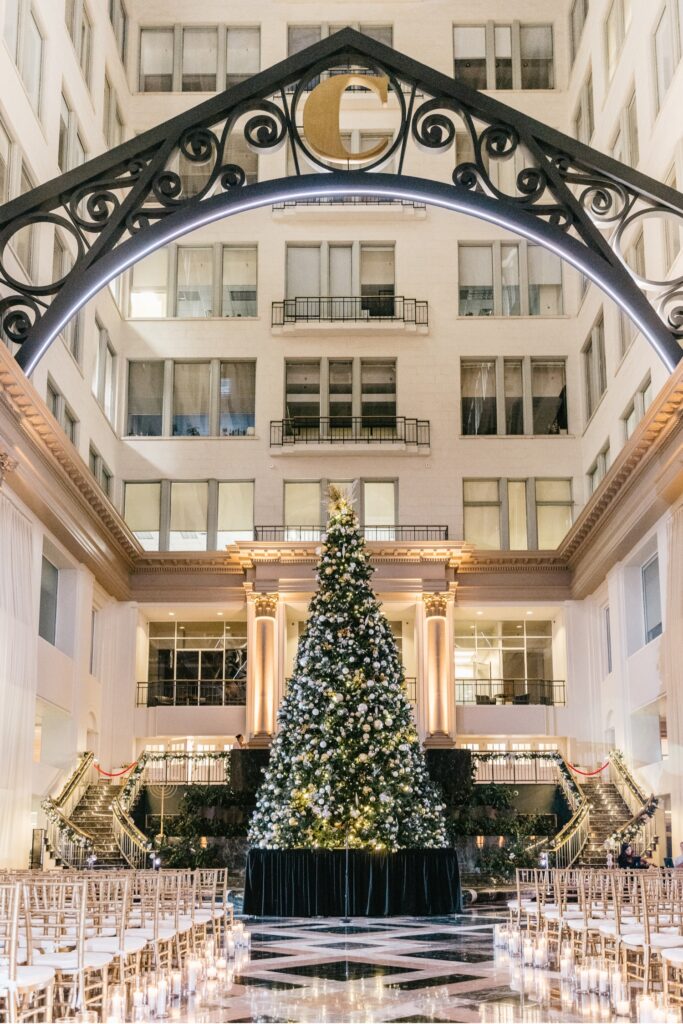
column 596, row 772
column 115, row 775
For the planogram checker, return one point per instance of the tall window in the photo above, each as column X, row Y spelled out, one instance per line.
column 156, row 59
column 553, row 511
column 112, row 123
column 149, row 284
column 608, row 638
column 378, row 392
column 235, row 512
column 189, row 506
column 194, row 289
column 469, row 48
column 303, row 276
column 652, row 601
column 549, row 396
column 237, row 398
column 197, row 663
column 119, row 23
column 517, row 515
column 80, row 30
column 513, row 383
column 595, row 367
column 243, row 54
column 49, row 587
column 584, row 118
column 545, row 282
column 377, row 279
column 493, row 56
column 475, row 280
column 536, row 52
column 615, row 29
column 489, row 280
column 191, row 399
column 481, row 501
column 200, row 59
column 666, row 51
column 579, row 12
column 62, row 262
column 145, row 398
column 59, row 408
column 302, row 392
column 478, row 397
column 672, row 229
column 24, row 240
column 141, row 510
column 25, row 43
column 379, row 508
column 239, row 280
column 303, row 507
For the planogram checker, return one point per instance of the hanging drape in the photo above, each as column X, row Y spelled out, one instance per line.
column 18, row 639
column 671, row 666
column 114, row 665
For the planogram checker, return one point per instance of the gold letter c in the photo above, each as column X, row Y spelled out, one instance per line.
column 321, row 116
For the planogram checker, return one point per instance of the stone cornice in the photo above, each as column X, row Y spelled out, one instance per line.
column 248, row 553
column 513, row 562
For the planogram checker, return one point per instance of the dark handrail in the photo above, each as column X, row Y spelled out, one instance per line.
column 544, row 692
column 276, row 534
column 349, row 430
column 350, row 308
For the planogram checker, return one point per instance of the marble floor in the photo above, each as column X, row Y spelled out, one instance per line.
column 398, row 970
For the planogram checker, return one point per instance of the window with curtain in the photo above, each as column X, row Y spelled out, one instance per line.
column 235, row 512
column 578, row 19
column 478, row 396
column 513, row 381
column 545, row 282
column 23, row 240
column 469, row 48
column 549, row 396
column 475, row 280
column 194, row 286
column 377, row 279
column 303, row 508
column 239, row 280
column 32, row 61
column 665, row 54
column 517, row 518
column 303, row 279
column 553, row 512
column 189, row 506
column 237, row 398
column 191, row 399
column 341, row 392
column 243, row 54
column 301, row 36
column 145, row 398
column 378, row 392
column 141, row 510
column 502, row 41
column 380, row 33
column 536, row 51
column 652, row 599
column 302, row 393
column 49, row 589
column 156, row 59
column 379, row 508
column 509, row 260
column 595, row 367
column 200, row 59
column 481, row 513
column 148, row 286
column 340, row 275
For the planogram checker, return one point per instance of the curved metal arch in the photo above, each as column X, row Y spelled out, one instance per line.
column 617, row 284
column 125, row 204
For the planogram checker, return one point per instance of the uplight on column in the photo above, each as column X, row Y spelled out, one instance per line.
column 437, row 667
column 264, row 667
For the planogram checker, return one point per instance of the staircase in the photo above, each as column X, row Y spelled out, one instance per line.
column 93, row 815
column 608, row 812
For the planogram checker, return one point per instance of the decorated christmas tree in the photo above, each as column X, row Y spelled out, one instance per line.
column 346, row 764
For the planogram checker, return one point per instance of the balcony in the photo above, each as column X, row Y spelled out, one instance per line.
column 350, row 430
column 313, row 534
column 350, row 309
column 492, row 692
column 215, row 693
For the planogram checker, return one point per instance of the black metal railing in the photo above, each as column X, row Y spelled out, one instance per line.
column 547, row 692
column 214, row 693
column 349, row 430
column 275, row 534
column 348, row 201
column 367, row 308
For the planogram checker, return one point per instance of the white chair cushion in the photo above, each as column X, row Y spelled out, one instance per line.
column 35, row 976
column 577, row 924
column 515, row 904
column 203, row 916
column 104, row 944
column 557, row 915
column 164, row 932
column 67, row 963
column 673, row 956
column 627, row 928
column 659, row 940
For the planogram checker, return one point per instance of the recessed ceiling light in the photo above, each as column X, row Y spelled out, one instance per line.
column 480, row 613
column 219, row 613
column 171, row 613
column 530, row 613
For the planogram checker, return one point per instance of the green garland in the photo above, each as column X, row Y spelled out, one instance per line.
column 68, row 831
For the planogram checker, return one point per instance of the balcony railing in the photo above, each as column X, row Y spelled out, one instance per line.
column 545, row 692
column 350, row 430
column 348, row 201
column 277, row 534
column 347, row 308
column 225, row 693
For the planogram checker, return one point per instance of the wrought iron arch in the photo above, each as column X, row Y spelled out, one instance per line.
column 123, row 205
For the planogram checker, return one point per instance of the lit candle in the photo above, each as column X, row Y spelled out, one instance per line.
column 138, row 997
column 603, row 980
column 162, row 994
column 152, row 998
column 176, row 984
column 541, row 953
column 231, row 945
column 593, row 976
column 193, row 969
column 528, row 951
column 646, row 1009
column 583, row 979
column 117, row 1005
column 623, row 1007
column 565, row 966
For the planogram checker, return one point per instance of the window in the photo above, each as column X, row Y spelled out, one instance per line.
column 5, row 164
column 632, row 131
column 112, row 123
column 25, row 42
column 608, row 637
column 303, row 274
column 599, row 468
column 62, row 262
column 379, row 508
column 475, row 280
column 119, row 23
column 191, row 399
column 481, row 500
column 579, row 12
column 303, row 507
column 545, row 282
column 615, row 30
column 156, row 59
column 80, row 29
column 301, row 36
column 517, row 515
column 302, row 393
column 549, row 396
column 145, row 398
column 142, row 506
column 238, row 152
column 513, row 56
column 200, row 59
column 237, row 398
column 60, row 410
column 49, row 588
column 100, row 471
column 553, row 512
column 194, row 289
column 23, row 241
column 637, row 408
column 498, row 653
column 149, row 283
column 243, row 54
column 197, row 663
column 513, row 384
column 594, row 366
column 584, row 118
column 239, row 280
column 489, row 279
column 104, row 372
column 478, row 397
column 652, row 603
column 378, row 392
column 666, row 53
column 377, row 279
column 235, row 512
column 672, row 230
column 189, row 506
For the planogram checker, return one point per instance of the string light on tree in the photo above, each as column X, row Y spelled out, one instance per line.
column 346, row 765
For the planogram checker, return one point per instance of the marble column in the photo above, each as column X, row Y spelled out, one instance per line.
column 263, row 668
column 438, row 670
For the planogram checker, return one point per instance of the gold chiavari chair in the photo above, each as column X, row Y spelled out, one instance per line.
column 526, row 894
column 565, row 905
column 592, row 892
column 26, row 989
column 623, row 914
column 661, row 906
column 146, row 920
column 109, row 900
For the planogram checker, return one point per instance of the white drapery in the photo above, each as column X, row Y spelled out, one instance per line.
column 114, row 666
column 671, row 663
column 18, row 639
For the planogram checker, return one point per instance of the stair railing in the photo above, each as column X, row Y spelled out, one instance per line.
column 639, row 830
column 520, row 767
column 67, row 842
column 134, row 845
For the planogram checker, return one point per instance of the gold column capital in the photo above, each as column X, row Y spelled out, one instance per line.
column 436, row 605
column 265, row 605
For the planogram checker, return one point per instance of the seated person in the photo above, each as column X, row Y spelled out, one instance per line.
column 628, row 859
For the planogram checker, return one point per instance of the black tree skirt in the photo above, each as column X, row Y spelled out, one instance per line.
column 311, row 883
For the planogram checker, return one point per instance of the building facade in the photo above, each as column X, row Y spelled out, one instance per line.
column 511, row 442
